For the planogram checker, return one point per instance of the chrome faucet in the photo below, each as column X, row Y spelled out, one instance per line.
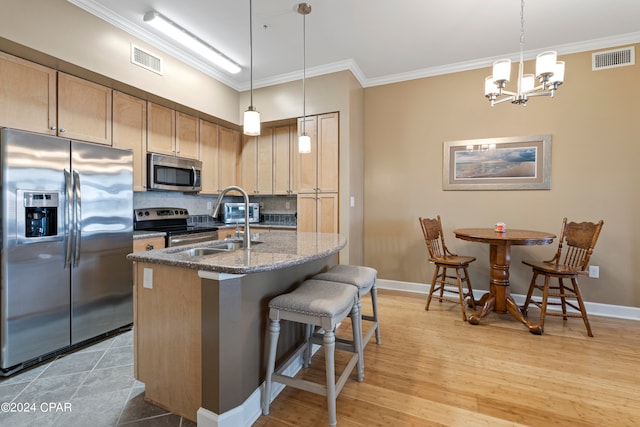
column 216, row 208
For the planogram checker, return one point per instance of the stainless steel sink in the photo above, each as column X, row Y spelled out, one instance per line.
column 217, row 247
column 204, row 251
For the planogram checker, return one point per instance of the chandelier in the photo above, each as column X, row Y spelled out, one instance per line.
column 549, row 72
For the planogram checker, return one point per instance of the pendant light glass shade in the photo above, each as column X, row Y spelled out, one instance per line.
column 304, row 143
column 251, row 125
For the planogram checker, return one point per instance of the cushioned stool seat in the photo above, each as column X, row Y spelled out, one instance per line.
column 364, row 278
column 321, row 304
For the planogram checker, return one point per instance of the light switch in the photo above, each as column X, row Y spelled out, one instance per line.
column 352, row 202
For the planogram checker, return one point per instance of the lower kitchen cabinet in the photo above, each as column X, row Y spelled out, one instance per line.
column 149, row 244
column 318, row 212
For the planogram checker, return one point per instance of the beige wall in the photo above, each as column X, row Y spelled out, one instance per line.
column 595, row 127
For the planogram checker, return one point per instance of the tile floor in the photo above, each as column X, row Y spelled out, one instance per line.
column 93, row 386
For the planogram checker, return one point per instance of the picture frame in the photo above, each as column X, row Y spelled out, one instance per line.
column 507, row 163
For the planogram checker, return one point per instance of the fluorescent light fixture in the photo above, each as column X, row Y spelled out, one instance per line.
column 185, row 38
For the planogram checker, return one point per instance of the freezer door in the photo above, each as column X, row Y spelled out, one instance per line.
column 35, row 294
column 101, row 276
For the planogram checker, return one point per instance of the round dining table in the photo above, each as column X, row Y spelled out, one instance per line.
column 499, row 298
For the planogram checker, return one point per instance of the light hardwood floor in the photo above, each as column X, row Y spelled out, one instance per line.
column 433, row 369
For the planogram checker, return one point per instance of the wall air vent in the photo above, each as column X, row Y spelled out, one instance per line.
column 613, row 58
column 146, row 60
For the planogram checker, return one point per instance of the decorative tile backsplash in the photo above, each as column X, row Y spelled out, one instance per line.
column 276, row 210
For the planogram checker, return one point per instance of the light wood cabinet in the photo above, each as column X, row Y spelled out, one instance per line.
column 285, row 155
column 84, row 110
column 187, row 136
column 318, row 170
column 172, row 133
column 27, row 95
column 318, row 175
column 228, row 157
column 257, row 163
column 318, row 212
column 219, row 151
column 130, row 132
column 148, row 244
column 161, row 129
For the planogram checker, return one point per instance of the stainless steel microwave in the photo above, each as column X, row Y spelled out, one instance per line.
column 233, row 213
column 171, row 173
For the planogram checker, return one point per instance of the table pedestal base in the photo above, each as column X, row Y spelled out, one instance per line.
column 488, row 303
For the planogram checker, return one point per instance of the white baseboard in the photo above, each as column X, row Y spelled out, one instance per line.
column 593, row 308
column 251, row 409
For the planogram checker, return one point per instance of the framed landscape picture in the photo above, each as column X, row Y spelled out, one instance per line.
column 509, row 163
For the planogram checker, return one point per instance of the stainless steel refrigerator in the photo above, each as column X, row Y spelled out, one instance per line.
column 67, row 226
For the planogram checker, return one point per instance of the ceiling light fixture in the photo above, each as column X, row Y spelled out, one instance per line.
column 304, row 140
column 549, row 72
column 185, row 38
column 251, row 116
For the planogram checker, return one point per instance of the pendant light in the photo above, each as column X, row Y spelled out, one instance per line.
column 251, row 116
column 304, row 140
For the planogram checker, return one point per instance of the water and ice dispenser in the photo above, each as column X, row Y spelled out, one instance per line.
column 40, row 214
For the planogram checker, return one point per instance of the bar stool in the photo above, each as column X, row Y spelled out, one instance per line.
column 320, row 304
column 364, row 278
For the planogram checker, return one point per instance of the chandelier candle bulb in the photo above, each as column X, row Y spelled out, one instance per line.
column 558, row 74
column 501, row 71
column 528, row 83
column 546, row 64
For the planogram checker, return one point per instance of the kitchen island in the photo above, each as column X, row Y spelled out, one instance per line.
column 200, row 319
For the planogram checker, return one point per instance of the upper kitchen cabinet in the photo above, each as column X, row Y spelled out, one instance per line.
column 161, row 129
column 285, row 155
column 27, row 95
column 187, row 136
column 171, row 133
column 257, row 163
column 229, row 153
column 84, row 110
column 219, row 152
column 318, row 170
column 130, row 132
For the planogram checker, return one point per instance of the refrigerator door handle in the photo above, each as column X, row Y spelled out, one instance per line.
column 76, row 217
column 69, row 212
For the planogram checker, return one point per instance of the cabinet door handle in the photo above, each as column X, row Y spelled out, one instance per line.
column 52, row 128
column 62, row 130
column 149, row 247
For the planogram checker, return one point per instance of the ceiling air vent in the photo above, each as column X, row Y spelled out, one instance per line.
column 613, row 58
column 146, row 60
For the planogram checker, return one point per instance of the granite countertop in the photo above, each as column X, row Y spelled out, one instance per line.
column 278, row 249
column 143, row 234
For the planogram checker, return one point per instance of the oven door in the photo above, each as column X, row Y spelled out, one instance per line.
column 188, row 239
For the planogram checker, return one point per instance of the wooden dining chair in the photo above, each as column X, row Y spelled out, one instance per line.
column 445, row 260
column 575, row 247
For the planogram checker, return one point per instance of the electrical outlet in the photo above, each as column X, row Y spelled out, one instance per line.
column 594, row 271
column 209, row 205
column 287, row 205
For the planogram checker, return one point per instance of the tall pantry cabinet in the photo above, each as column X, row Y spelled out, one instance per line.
column 318, row 175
